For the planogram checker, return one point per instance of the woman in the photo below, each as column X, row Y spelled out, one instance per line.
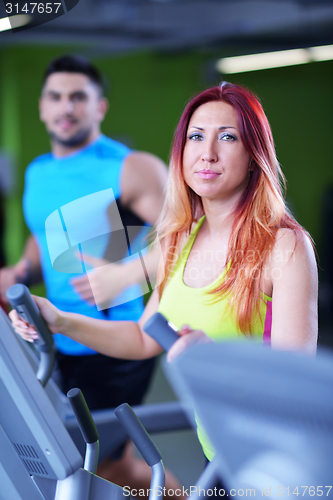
column 235, row 261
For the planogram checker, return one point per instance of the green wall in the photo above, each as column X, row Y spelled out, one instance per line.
column 148, row 92
column 299, row 104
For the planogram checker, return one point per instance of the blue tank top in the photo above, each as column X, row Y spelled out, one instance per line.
column 67, row 203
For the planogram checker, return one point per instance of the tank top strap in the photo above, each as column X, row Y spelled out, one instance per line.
column 188, row 245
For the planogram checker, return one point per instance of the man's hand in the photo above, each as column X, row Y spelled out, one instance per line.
column 11, row 275
column 102, row 283
column 187, row 338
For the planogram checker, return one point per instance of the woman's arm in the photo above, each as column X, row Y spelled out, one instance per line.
column 120, row 339
column 293, row 273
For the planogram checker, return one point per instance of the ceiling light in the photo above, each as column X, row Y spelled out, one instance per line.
column 278, row 59
column 7, row 23
column 322, row 53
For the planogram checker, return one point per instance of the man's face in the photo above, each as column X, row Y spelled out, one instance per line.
column 72, row 109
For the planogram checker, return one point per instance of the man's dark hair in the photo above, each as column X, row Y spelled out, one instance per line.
column 75, row 64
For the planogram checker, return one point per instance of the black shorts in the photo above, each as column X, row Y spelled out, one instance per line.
column 104, row 381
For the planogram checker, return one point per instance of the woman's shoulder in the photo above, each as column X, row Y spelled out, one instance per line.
column 292, row 246
column 293, row 240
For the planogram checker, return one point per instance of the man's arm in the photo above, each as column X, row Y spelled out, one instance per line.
column 143, row 188
column 143, row 183
column 27, row 270
column 107, row 280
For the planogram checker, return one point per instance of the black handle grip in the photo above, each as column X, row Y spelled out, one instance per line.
column 138, row 434
column 159, row 328
column 21, row 300
column 83, row 415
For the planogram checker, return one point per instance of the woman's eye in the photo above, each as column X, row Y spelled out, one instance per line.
column 195, row 137
column 228, row 137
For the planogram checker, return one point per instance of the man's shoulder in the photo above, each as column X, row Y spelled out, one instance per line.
column 110, row 148
column 40, row 160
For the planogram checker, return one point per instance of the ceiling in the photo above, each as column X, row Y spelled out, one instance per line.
column 238, row 26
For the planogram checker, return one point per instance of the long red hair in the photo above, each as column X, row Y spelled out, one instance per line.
column 260, row 212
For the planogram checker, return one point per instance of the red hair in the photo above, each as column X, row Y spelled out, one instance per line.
column 260, row 212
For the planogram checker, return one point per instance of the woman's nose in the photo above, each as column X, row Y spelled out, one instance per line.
column 209, row 155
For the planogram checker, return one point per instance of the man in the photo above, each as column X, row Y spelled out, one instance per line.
column 83, row 167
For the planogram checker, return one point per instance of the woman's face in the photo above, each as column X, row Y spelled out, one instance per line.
column 215, row 161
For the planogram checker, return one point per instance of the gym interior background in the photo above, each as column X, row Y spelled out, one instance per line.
column 152, row 70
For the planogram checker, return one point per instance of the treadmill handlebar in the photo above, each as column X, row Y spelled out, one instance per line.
column 160, row 329
column 83, row 416
column 138, row 434
column 20, row 299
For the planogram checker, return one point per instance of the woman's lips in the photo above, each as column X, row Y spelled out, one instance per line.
column 207, row 174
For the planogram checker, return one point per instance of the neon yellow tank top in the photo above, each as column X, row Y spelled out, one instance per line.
column 182, row 304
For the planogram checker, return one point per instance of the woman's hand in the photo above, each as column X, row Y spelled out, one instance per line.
column 52, row 316
column 188, row 337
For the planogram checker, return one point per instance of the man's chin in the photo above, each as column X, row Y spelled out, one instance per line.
column 76, row 140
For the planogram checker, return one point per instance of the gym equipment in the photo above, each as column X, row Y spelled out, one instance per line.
column 162, row 330
column 161, row 417
column 156, row 418
column 28, row 420
column 21, row 300
column 15, row 481
column 26, row 412
column 268, row 413
column 142, row 441
column 39, row 461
